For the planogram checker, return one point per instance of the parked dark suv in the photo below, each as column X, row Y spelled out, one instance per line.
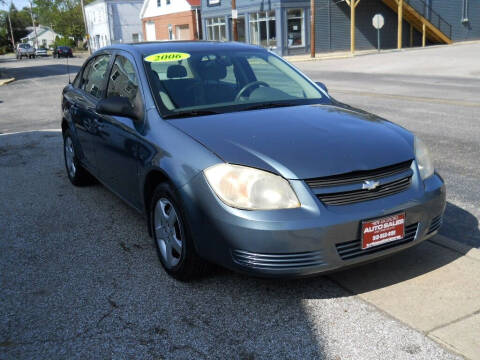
column 62, row 51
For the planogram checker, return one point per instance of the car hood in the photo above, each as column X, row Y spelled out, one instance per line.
column 302, row 142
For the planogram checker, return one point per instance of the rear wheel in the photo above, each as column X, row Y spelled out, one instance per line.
column 76, row 173
column 172, row 236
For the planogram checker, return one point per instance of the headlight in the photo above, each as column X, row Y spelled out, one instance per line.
column 248, row 188
column 424, row 162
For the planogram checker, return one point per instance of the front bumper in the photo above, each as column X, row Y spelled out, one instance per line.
column 308, row 240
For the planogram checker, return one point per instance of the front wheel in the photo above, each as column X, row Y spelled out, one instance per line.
column 172, row 236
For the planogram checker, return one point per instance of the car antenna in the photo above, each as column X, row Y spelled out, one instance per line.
column 68, row 70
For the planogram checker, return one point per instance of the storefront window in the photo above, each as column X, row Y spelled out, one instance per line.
column 295, row 28
column 263, row 29
column 216, row 29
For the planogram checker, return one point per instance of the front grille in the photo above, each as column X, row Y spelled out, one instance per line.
column 353, row 249
column 278, row 261
column 348, row 188
column 350, row 197
column 359, row 176
column 435, row 224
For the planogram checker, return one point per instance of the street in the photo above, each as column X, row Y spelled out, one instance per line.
column 80, row 277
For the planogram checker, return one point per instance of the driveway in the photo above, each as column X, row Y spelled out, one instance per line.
column 80, row 277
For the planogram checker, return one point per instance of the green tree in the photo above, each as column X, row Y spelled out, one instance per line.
column 20, row 21
column 65, row 16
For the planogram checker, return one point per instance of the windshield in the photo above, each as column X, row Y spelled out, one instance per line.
column 25, row 46
column 202, row 83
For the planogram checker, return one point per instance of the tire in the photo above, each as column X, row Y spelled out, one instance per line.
column 77, row 175
column 172, row 236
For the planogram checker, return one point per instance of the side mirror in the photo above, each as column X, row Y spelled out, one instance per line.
column 118, row 106
column 322, row 86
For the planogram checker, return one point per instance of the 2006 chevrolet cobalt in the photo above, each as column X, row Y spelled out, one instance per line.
column 237, row 158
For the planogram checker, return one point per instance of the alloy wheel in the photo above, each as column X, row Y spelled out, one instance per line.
column 70, row 157
column 169, row 233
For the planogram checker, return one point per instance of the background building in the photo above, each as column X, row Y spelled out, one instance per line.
column 45, row 35
column 171, row 20
column 113, row 21
column 284, row 25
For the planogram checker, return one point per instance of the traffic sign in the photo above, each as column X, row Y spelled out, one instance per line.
column 378, row 21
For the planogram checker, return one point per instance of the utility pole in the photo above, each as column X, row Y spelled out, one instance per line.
column 400, row 23
column 312, row 28
column 34, row 27
column 86, row 27
column 353, row 4
column 11, row 31
column 234, row 20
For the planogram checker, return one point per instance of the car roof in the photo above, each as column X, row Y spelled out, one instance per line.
column 144, row 48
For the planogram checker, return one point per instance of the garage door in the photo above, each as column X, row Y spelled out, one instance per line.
column 182, row 32
column 150, row 30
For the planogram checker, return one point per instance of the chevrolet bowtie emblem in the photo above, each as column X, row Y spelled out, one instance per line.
column 370, row 184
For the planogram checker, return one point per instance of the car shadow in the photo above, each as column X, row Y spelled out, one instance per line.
column 40, row 71
column 461, row 225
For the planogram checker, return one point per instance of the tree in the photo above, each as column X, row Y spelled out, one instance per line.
column 65, row 16
column 20, row 21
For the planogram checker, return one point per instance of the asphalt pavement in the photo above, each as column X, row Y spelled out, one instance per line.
column 80, row 277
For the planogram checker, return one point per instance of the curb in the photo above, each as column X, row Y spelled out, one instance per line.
column 456, row 246
column 6, row 81
column 344, row 55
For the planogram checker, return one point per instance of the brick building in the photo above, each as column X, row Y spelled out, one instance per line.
column 171, row 20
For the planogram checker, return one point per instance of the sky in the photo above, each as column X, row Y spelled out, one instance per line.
column 19, row 4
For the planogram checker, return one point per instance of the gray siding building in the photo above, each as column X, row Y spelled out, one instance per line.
column 284, row 25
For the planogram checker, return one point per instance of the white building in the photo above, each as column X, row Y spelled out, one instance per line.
column 113, row 21
column 45, row 35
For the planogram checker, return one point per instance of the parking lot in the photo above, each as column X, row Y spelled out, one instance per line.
column 80, row 277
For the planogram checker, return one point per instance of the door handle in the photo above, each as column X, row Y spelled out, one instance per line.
column 99, row 122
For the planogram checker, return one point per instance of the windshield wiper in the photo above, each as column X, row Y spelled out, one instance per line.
column 190, row 113
column 267, row 106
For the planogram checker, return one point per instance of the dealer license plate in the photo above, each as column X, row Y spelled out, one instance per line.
column 384, row 230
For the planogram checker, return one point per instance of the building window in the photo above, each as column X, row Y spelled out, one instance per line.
column 213, row 2
column 216, row 29
column 263, row 29
column 168, row 2
column 135, row 37
column 295, row 28
column 159, row 3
